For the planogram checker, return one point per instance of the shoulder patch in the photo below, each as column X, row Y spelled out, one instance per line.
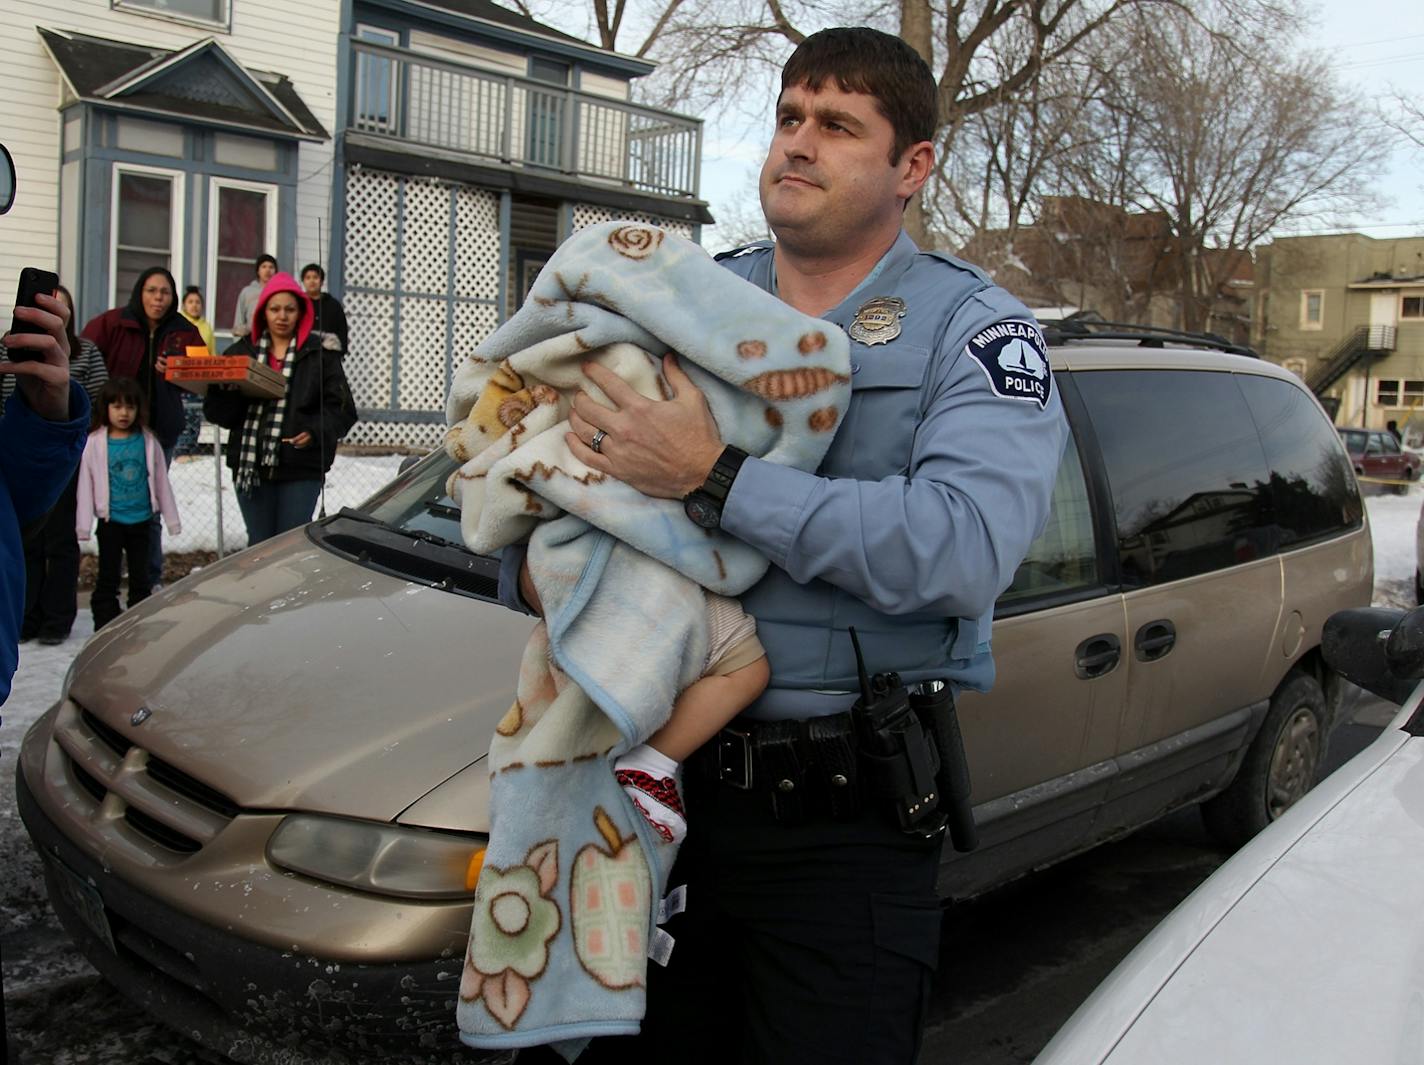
column 1014, row 358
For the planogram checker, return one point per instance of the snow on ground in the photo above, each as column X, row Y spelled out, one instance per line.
column 195, row 480
column 1392, row 523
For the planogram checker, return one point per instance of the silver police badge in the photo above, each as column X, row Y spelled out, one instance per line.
column 878, row 320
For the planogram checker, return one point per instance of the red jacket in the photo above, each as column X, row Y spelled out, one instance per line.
column 129, row 351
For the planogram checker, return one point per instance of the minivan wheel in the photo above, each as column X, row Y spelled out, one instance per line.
column 1279, row 767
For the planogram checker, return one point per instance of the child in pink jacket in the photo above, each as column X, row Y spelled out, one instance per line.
column 123, row 482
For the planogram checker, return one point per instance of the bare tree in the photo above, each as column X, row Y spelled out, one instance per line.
column 723, row 54
column 1230, row 137
column 1405, row 115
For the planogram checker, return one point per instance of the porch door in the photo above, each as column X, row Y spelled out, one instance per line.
column 545, row 138
column 242, row 224
column 1384, row 309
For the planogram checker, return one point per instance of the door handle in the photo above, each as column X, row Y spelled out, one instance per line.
column 1154, row 640
column 1097, row 656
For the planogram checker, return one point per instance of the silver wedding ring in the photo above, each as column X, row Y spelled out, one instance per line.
column 597, row 442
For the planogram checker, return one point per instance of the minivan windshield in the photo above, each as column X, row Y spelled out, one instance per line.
column 416, row 501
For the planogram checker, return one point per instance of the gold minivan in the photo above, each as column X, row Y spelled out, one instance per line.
column 261, row 797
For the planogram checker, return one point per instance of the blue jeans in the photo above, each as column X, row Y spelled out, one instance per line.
column 155, row 532
column 276, row 506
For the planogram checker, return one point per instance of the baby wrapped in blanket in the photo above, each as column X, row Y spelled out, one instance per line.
column 566, row 911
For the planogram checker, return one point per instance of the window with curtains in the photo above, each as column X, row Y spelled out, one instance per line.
column 147, row 226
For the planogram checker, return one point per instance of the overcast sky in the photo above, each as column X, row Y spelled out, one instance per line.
column 1377, row 45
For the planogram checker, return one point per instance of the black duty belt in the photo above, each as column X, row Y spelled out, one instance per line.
column 800, row 769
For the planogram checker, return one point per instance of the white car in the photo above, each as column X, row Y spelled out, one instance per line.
column 1307, row 945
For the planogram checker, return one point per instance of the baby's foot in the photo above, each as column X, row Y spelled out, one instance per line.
column 658, row 800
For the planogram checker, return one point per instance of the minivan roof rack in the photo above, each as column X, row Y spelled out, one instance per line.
column 1082, row 327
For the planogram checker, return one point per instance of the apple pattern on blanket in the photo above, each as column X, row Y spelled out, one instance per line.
column 609, row 895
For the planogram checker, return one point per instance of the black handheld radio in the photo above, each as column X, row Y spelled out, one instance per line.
column 901, row 760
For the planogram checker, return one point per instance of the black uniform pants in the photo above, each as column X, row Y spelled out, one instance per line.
column 52, row 569
column 117, row 541
column 801, row 945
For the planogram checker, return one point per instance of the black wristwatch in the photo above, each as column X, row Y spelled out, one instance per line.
column 704, row 505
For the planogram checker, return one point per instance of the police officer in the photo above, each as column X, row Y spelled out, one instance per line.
column 813, row 924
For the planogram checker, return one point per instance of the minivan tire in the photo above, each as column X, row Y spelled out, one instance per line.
column 1280, row 765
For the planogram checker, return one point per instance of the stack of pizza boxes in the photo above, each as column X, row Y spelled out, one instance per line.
column 196, row 370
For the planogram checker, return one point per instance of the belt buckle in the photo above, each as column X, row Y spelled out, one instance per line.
column 734, row 758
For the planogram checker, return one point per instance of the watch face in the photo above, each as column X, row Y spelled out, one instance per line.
column 703, row 511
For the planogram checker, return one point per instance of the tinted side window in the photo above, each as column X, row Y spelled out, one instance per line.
column 1064, row 557
column 1312, row 487
column 1186, row 469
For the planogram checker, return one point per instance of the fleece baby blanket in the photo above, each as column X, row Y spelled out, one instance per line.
column 567, row 903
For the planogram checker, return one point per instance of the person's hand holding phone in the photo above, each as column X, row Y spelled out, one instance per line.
column 40, row 360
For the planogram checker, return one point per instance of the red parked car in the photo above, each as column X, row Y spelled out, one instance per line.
column 1376, row 453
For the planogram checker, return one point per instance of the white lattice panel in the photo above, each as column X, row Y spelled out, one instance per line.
column 408, row 434
column 477, row 244
column 371, row 318
column 425, row 251
column 371, row 215
column 422, row 354
column 473, row 322
column 587, row 214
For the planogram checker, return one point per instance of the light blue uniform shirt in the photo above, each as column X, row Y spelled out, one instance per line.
column 938, row 480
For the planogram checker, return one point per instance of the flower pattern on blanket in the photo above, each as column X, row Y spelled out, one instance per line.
column 620, row 577
column 514, row 922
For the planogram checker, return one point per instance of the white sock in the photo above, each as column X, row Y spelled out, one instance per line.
column 649, row 759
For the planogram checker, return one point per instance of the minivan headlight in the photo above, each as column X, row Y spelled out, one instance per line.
column 384, row 859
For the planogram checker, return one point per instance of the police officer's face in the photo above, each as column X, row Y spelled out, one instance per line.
column 828, row 176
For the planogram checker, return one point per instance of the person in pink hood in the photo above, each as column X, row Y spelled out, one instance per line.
column 280, row 449
column 123, row 482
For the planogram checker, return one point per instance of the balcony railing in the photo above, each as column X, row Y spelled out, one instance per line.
column 521, row 122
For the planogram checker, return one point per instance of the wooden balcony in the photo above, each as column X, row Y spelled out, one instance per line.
column 494, row 118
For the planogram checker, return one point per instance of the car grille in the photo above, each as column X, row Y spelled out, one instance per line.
column 169, row 812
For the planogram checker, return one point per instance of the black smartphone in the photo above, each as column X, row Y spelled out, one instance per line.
column 33, row 282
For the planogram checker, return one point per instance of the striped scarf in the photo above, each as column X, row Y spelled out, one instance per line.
column 261, row 440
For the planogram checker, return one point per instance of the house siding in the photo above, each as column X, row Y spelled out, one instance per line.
column 299, row 41
column 1331, row 264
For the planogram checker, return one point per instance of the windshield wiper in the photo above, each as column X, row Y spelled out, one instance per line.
column 414, row 534
column 442, row 510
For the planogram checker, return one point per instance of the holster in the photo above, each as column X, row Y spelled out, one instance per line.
column 935, row 709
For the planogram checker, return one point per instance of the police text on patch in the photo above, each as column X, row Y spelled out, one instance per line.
column 1014, row 358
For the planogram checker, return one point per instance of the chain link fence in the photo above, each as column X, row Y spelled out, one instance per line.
column 207, row 504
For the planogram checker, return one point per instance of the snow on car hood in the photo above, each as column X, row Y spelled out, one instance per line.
column 290, row 678
column 1305, row 947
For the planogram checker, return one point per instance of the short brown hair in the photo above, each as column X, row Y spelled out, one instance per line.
column 868, row 61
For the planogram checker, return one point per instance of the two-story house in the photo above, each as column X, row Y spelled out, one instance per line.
column 1346, row 312
column 430, row 153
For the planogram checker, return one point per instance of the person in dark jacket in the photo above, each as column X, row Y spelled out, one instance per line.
column 41, row 437
column 137, row 340
column 52, row 552
column 330, row 315
column 280, row 449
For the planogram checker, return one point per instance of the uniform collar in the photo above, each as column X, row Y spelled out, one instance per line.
column 884, row 276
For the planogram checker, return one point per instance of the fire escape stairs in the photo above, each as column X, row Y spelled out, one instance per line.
column 1363, row 343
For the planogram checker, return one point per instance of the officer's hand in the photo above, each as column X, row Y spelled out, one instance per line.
column 45, row 380
column 663, row 448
